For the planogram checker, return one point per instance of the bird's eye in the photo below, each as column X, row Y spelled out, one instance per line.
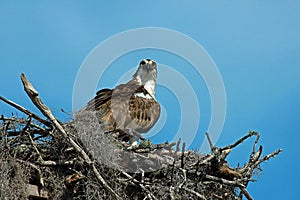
column 142, row 62
column 153, row 63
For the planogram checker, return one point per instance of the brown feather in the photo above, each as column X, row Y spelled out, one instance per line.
column 121, row 109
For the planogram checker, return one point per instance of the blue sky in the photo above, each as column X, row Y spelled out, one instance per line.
column 255, row 46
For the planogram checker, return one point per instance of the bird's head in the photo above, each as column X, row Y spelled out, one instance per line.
column 146, row 75
column 147, row 71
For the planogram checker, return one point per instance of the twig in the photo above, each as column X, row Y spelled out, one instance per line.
column 217, row 196
column 21, row 133
column 33, row 95
column 172, row 170
column 172, row 195
column 224, row 181
column 141, row 185
column 36, row 130
column 254, row 145
column 232, row 183
column 184, row 177
column 51, row 163
column 182, row 155
column 246, row 193
column 250, row 134
column 205, row 159
column 195, row 193
column 35, row 148
column 143, row 175
column 212, row 147
column 254, row 157
column 177, row 145
column 23, row 121
column 36, row 168
column 187, row 189
column 26, row 125
column 250, row 166
column 267, row 157
column 24, row 110
column 153, row 147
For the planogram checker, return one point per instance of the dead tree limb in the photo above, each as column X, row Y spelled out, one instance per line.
column 24, row 110
column 34, row 96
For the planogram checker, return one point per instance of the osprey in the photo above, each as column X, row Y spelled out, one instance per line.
column 129, row 108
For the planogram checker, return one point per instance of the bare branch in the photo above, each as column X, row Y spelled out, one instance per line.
column 24, row 110
column 225, row 181
column 51, row 163
column 250, row 134
column 35, row 148
column 41, row 179
column 212, row 147
column 267, row 157
column 195, row 193
column 246, row 193
column 140, row 184
column 182, row 155
column 33, row 95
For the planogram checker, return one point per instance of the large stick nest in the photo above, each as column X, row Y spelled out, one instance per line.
column 42, row 158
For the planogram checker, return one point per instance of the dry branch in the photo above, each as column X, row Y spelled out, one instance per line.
column 33, row 95
column 24, row 110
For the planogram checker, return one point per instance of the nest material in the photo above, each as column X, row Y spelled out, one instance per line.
column 46, row 159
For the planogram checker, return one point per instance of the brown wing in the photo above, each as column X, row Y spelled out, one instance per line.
column 121, row 109
column 101, row 104
column 144, row 112
column 102, row 97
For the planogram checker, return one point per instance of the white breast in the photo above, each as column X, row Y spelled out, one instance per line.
column 150, row 87
column 142, row 95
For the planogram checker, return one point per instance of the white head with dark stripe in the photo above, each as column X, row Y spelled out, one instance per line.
column 146, row 75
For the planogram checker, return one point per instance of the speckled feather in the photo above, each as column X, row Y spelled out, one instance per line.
column 121, row 109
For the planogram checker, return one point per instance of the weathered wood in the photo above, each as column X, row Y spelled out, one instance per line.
column 26, row 111
column 34, row 192
column 34, row 96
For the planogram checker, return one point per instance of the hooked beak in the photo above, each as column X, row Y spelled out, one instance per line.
column 148, row 67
